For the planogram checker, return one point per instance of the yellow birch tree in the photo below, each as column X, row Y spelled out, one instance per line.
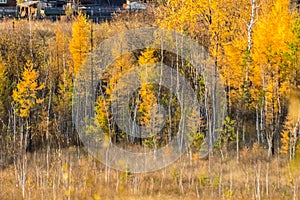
column 148, row 100
column 26, row 93
column 80, row 44
column 271, row 37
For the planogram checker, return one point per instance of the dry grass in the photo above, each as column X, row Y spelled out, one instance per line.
column 75, row 175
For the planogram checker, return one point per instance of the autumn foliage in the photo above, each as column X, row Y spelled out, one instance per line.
column 254, row 47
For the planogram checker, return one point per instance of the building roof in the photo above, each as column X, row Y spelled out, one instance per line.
column 28, row 3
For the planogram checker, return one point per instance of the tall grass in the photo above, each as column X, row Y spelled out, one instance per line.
column 73, row 174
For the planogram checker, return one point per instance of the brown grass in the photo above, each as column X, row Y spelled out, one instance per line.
column 74, row 174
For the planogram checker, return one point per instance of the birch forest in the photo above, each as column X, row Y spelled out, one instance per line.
column 254, row 51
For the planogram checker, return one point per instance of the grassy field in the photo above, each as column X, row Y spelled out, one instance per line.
column 73, row 174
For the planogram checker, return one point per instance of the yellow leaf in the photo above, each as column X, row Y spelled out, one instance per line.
column 65, row 176
column 68, row 192
column 96, row 197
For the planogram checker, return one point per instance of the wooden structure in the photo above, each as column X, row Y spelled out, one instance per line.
column 104, row 3
column 8, row 8
column 8, row 3
column 97, row 10
column 28, row 9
